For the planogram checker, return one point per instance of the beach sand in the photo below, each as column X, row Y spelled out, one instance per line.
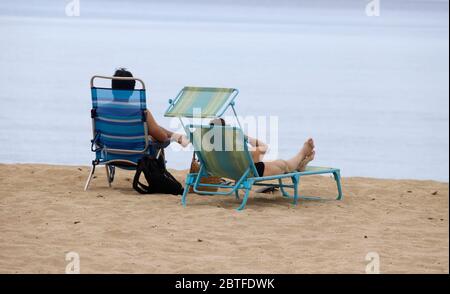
column 45, row 213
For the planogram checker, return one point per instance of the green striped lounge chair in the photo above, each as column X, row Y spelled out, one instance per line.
column 223, row 150
column 119, row 128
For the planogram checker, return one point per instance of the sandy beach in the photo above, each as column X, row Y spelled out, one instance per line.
column 45, row 213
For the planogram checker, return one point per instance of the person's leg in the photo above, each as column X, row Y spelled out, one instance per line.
column 287, row 166
column 257, row 154
column 276, row 167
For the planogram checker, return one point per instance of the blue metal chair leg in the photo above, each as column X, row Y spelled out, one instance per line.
column 337, row 177
column 283, row 191
column 186, row 190
column 296, row 182
column 244, row 201
column 183, row 198
column 248, row 187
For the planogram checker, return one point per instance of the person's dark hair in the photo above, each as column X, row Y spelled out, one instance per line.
column 217, row 122
column 123, row 84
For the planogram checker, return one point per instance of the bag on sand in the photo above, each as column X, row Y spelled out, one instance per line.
column 195, row 168
column 158, row 178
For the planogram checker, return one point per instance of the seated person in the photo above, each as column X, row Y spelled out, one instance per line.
column 157, row 132
column 271, row 168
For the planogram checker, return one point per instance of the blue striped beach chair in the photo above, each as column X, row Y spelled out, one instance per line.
column 119, row 127
column 223, row 150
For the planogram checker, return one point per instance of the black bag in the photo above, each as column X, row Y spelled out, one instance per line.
column 158, row 178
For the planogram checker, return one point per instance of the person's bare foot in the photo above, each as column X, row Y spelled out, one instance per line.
column 302, row 166
column 308, row 148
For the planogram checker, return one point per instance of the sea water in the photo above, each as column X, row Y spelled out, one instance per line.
column 371, row 90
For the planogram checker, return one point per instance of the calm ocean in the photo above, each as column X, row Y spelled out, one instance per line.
column 372, row 91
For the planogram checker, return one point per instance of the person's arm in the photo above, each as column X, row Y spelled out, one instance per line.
column 161, row 134
column 154, row 130
column 258, row 145
column 180, row 139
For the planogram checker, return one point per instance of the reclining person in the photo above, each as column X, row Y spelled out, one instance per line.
column 271, row 168
column 157, row 132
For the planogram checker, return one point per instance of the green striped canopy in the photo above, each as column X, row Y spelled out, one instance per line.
column 201, row 102
column 222, row 150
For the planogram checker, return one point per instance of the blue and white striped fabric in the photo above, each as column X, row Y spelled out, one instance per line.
column 119, row 123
